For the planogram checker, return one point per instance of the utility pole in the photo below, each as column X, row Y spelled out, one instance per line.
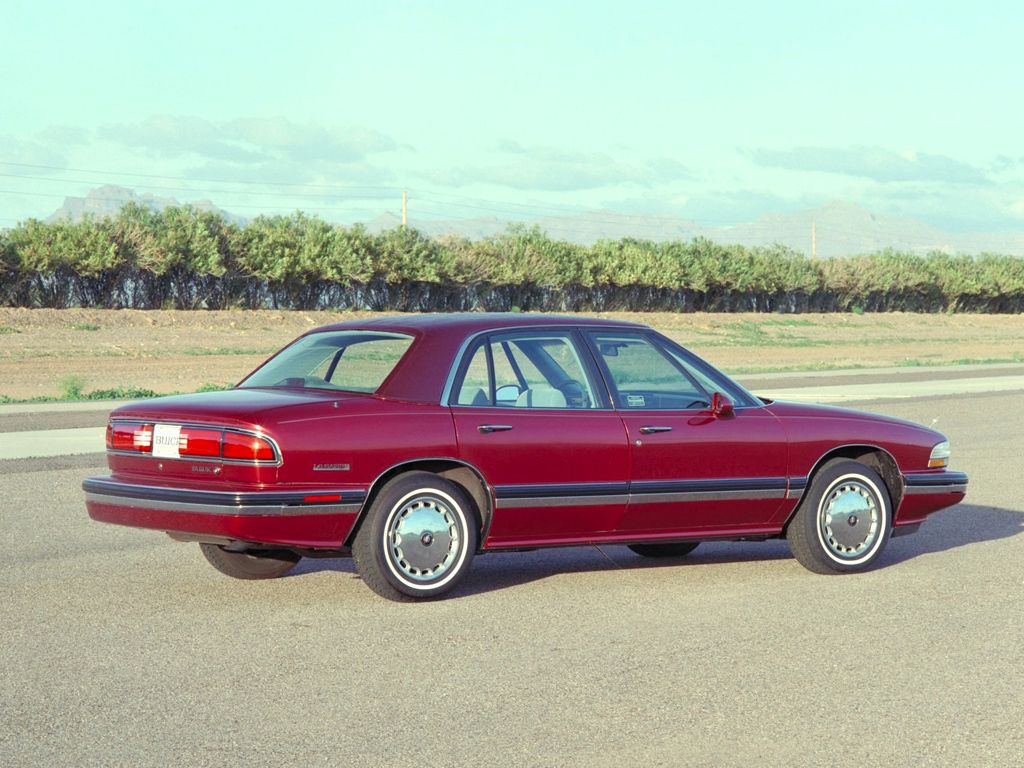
column 405, row 208
column 814, row 240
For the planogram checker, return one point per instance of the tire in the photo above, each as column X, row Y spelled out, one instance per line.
column 675, row 549
column 418, row 538
column 256, row 564
column 844, row 520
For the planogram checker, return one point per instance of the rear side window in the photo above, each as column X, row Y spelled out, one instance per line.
column 526, row 370
column 353, row 361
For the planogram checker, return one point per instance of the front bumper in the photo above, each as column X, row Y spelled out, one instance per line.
column 927, row 492
column 313, row 518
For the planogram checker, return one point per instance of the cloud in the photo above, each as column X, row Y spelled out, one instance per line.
column 992, row 208
column 335, row 176
column 551, row 169
column 252, row 140
column 271, row 150
column 874, row 163
column 64, row 135
column 28, row 152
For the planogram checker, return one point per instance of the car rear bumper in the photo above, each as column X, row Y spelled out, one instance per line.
column 927, row 492
column 313, row 518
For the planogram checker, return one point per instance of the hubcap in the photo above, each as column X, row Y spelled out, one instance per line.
column 849, row 519
column 423, row 538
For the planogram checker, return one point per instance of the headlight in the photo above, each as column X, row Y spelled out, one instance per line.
column 940, row 455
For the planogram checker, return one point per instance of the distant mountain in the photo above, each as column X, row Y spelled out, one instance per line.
column 843, row 229
column 107, row 201
column 840, row 228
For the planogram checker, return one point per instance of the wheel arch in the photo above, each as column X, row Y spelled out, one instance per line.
column 462, row 473
column 874, row 456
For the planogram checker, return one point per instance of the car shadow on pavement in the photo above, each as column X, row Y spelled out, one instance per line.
column 949, row 529
column 955, row 527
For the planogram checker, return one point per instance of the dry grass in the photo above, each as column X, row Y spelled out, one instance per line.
column 171, row 350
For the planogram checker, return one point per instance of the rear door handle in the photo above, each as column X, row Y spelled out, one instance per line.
column 651, row 429
column 494, row 428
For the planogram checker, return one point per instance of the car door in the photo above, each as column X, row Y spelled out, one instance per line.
column 529, row 415
column 694, row 471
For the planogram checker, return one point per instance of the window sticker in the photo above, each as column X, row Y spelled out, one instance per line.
column 635, row 401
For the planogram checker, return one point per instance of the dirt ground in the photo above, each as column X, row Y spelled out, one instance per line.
column 42, row 351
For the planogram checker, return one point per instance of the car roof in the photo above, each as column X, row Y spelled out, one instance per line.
column 469, row 322
column 421, row 374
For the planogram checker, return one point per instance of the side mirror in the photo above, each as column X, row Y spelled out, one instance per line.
column 721, row 406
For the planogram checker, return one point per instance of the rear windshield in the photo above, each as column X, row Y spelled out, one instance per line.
column 354, row 361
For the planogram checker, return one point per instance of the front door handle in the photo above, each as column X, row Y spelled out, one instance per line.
column 494, row 428
column 650, row 429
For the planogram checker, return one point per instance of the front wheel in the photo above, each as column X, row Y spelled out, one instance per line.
column 844, row 520
column 255, row 564
column 418, row 538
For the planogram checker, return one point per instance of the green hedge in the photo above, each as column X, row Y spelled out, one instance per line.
column 184, row 258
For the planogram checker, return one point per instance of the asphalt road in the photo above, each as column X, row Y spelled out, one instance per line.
column 120, row 647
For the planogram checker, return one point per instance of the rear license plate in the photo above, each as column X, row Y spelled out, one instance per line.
column 166, row 438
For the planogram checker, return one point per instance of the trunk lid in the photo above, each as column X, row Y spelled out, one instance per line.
column 245, row 412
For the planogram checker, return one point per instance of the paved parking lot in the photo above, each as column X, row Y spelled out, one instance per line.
column 120, row 647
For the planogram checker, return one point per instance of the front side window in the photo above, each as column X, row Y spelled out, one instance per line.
column 644, row 377
column 353, row 361
column 526, row 370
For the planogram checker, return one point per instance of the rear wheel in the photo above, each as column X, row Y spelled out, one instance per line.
column 676, row 549
column 418, row 538
column 844, row 520
column 254, row 564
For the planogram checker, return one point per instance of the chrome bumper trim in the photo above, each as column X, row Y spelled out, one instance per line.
column 914, row 490
column 261, row 510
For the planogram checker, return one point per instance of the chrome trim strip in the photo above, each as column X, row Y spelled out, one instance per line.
column 641, row 492
column 560, row 490
column 711, row 485
column 529, row 502
column 262, row 510
column 914, row 490
column 685, row 496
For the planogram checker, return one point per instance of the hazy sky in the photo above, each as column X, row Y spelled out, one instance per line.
column 713, row 112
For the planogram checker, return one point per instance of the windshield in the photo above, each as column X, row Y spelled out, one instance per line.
column 354, row 361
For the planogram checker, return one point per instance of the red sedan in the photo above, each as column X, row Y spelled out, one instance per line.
column 415, row 443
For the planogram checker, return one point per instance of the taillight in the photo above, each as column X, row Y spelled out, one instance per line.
column 193, row 442
column 130, row 437
column 247, row 447
column 199, row 442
